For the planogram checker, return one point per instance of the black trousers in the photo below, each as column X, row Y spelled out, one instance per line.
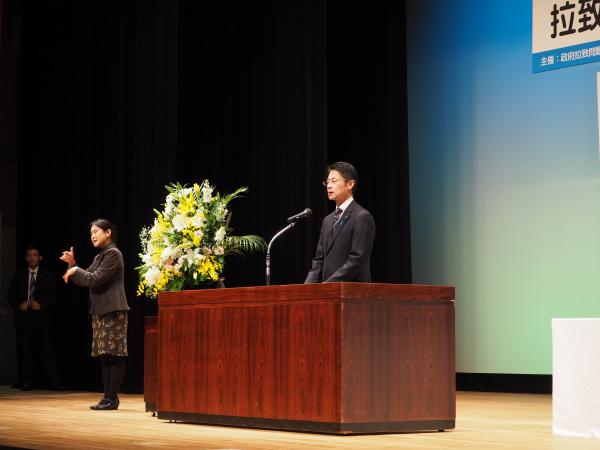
column 34, row 338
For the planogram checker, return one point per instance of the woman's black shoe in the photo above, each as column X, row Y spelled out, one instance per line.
column 100, row 403
column 107, row 405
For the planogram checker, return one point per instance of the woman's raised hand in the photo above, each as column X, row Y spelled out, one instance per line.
column 68, row 256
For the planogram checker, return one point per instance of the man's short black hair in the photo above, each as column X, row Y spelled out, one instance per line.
column 347, row 170
column 33, row 247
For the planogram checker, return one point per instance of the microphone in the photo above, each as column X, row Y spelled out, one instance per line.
column 291, row 223
column 304, row 214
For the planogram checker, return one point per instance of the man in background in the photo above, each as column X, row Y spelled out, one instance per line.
column 31, row 294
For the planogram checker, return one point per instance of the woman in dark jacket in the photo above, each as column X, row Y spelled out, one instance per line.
column 108, row 307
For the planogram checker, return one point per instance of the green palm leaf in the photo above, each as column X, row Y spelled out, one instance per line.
column 244, row 245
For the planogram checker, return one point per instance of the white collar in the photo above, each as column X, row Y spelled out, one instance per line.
column 33, row 271
column 345, row 205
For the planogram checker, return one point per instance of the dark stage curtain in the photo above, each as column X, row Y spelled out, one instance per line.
column 253, row 108
column 98, row 137
column 120, row 97
column 367, row 121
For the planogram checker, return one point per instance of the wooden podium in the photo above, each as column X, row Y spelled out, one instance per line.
column 337, row 358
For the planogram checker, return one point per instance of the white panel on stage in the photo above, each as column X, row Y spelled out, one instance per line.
column 576, row 377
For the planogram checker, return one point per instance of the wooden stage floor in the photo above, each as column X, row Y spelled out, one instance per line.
column 63, row 420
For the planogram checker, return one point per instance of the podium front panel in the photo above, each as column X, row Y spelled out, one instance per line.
column 335, row 357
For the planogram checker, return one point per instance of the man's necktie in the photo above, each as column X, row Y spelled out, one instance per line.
column 336, row 216
column 31, row 288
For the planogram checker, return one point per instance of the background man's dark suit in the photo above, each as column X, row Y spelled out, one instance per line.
column 34, row 328
column 344, row 250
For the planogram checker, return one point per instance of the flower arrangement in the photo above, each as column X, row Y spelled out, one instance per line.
column 187, row 244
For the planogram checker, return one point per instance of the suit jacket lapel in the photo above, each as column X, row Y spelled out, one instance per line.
column 338, row 227
column 327, row 224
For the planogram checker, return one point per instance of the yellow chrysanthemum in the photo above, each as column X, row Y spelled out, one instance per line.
column 162, row 281
column 210, row 268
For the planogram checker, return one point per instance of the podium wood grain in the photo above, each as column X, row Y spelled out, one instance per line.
column 335, row 358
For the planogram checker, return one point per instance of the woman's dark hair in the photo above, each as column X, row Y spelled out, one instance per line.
column 106, row 225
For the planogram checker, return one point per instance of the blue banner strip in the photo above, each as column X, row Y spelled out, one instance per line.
column 566, row 57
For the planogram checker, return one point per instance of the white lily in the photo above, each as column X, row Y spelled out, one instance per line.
column 152, row 276
column 179, row 222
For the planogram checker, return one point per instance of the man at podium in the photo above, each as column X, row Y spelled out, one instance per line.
column 347, row 234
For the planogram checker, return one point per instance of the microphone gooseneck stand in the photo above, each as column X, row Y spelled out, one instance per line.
column 291, row 222
column 291, row 225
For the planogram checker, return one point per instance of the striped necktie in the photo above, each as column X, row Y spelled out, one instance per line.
column 31, row 287
column 336, row 216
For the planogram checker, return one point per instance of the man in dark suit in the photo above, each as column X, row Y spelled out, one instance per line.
column 347, row 234
column 32, row 293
